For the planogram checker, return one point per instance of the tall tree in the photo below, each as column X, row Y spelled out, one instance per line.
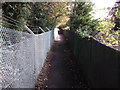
column 16, row 10
column 81, row 18
column 115, row 12
column 39, row 14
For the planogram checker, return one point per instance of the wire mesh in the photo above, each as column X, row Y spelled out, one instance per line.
column 21, row 57
column 16, row 49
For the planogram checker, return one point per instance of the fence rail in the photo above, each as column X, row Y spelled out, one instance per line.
column 22, row 56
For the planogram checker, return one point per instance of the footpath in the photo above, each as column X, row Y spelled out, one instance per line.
column 60, row 69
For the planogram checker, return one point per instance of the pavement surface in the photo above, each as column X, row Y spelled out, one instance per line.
column 60, row 69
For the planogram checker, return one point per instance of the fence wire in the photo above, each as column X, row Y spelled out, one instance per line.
column 21, row 57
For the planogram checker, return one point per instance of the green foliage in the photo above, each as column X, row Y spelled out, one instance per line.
column 41, row 14
column 105, row 26
column 17, row 11
column 115, row 12
column 81, row 20
column 110, row 29
column 117, row 20
column 106, row 35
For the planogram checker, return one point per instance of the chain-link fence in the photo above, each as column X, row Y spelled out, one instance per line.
column 22, row 56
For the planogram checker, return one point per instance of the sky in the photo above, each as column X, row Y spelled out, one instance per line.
column 99, row 4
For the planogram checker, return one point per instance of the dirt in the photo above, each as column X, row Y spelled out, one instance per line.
column 60, row 69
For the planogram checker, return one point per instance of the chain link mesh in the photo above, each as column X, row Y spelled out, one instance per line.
column 21, row 57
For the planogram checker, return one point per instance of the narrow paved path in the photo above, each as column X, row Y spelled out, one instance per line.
column 60, row 68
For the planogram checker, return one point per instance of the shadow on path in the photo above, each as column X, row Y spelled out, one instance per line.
column 60, row 69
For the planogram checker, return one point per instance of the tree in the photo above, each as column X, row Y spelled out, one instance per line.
column 81, row 18
column 106, row 34
column 18, row 11
column 110, row 29
column 115, row 13
column 37, row 14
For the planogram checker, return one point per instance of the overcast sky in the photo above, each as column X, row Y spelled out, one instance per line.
column 100, row 4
